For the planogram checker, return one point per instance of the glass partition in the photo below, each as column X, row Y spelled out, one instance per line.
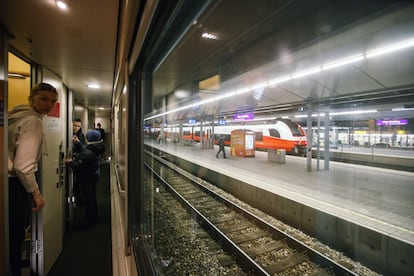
column 337, row 72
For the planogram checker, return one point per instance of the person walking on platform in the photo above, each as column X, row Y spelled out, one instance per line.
column 25, row 140
column 221, row 147
column 86, row 166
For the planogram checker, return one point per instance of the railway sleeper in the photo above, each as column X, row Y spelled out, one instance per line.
column 322, row 272
column 179, row 185
column 191, row 195
column 292, row 261
column 242, row 238
column 221, row 219
column 230, row 227
column 209, row 207
column 212, row 245
column 265, row 248
column 200, row 201
column 226, row 260
column 200, row 233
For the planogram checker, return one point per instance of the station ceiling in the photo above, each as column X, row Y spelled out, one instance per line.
column 77, row 44
column 258, row 45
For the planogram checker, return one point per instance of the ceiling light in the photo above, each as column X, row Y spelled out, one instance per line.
column 16, row 76
column 279, row 80
column 259, row 85
column 93, row 86
column 306, row 72
column 403, row 109
column 352, row 112
column 209, row 36
column 390, row 48
column 61, row 5
column 343, row 61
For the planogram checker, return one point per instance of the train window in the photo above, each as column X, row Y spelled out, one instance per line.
column 308, row 82
column 274, row 133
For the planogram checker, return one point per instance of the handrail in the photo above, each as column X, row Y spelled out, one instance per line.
column 120, row 190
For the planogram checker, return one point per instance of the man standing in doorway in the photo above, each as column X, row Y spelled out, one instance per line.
column 25, row 135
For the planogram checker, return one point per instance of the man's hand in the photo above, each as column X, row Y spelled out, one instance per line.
column 38, row 200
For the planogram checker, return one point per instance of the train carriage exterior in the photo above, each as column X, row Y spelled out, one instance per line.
column 283, row 134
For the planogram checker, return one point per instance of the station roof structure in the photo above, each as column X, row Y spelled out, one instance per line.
column 283, row 57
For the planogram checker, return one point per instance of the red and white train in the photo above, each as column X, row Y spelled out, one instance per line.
column 282, row 134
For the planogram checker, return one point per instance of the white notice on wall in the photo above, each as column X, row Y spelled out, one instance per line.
column 249, row 142
column 53, row 125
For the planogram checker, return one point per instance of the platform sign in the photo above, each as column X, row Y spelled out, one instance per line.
column 222, row 122
column 392, row 122
column 192, row 121
column 243, row 117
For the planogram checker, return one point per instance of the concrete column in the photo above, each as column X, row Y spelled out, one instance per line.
column 326, row 151
column 309, row 139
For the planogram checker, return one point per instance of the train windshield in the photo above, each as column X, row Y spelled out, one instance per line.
column 294, row 127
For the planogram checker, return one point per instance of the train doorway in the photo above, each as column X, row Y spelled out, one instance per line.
column 44, row 232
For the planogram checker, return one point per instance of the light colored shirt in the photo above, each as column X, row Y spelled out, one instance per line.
column 25, row 145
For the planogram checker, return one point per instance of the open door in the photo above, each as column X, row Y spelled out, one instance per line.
column 47, row 236
column 44, row 239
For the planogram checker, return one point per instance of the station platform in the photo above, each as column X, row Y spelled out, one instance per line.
column 375, row 198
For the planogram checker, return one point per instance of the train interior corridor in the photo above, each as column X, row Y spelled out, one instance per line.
column 87, row 251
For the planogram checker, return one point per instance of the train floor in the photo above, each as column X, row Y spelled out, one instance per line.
column 88, row 251
column 376, row 198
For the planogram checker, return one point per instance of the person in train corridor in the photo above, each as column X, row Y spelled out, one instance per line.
column 25, row 141
column 221, row 147
column 101, row 130
column 78, row 141
column 86, row 167
column 77, row 131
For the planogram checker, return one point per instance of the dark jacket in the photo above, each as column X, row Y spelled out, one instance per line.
column 86, row 163
column 81, row 137
column 221, row 142
column 76, row 147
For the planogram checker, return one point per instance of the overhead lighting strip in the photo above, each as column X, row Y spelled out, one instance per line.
column 295, row 75
column 390, row 48
column 342, row 62
column 350, row 112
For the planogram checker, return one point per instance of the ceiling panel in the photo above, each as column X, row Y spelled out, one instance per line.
column 394, row 70
column 78, row 44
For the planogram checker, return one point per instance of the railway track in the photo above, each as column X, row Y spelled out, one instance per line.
column 247, row 242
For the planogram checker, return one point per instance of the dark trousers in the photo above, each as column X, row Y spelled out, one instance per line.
column 88, row 191
column 76, row 190
column 19, row 213
column 221, row 150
